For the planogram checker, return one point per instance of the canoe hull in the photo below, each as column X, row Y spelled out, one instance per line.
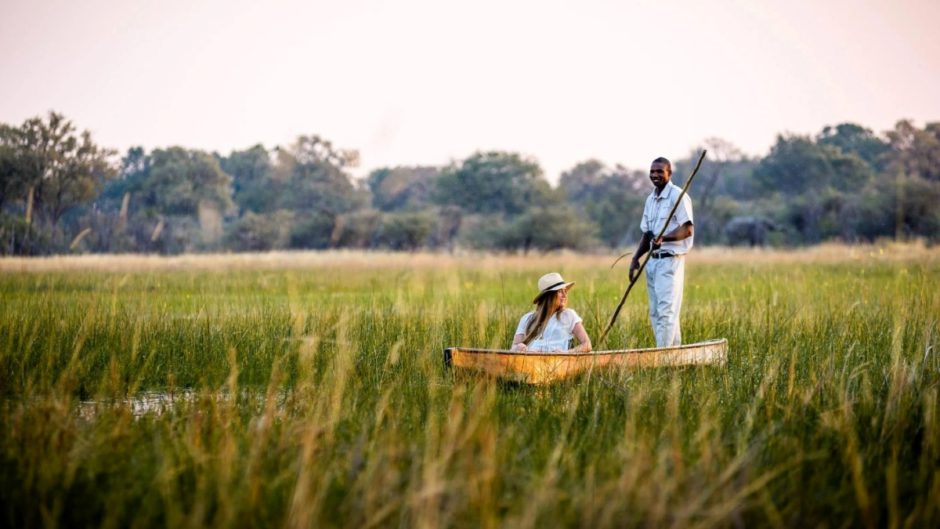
column 543, row 368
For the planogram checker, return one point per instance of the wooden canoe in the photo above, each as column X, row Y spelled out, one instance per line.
column 542, row 368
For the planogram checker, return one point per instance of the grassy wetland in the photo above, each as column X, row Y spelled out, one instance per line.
column 307, row 390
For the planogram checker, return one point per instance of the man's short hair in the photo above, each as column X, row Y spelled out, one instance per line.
column 665, row 162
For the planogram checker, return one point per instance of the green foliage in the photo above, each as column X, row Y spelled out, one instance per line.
column 133, row 173
column 175, row 234
column 484, row 232
column 315, row 178
column 903, row 207
column 18, row 237
column 711, row 220
column 855, row 139
column 915, row 152
column 447, row 229
column 492, row 182
column 819, row 182
column 583, row 183
column 169, row 201
column 302, row 198
column 543, row 228
column 255, row 232
column 13, row 170
column 846, row 183
column 179, row 179
column 814, row 216
column 63, row 169
column 358, row 229
column 797, row 165
column 549, row 228
column 314, row 231
column 406, row 230
column 402, row 188
column 253, row 184
column 612, row 199
column 730, row 206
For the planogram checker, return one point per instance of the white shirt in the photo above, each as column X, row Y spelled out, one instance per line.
column 654, row 216
column 557, row 334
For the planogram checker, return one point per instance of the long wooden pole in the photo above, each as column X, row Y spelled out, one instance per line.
column 613, row 319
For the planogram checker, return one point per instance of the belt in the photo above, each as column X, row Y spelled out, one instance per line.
column 661, row 255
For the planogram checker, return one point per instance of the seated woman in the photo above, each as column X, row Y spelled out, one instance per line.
column 550, row 326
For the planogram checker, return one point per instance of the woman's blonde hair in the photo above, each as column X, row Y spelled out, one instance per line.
column 545, row 308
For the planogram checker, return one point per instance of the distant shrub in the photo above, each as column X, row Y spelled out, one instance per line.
column 256, row 232
column 313, row 232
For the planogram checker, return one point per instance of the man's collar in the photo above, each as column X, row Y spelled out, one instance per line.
column 666, row 192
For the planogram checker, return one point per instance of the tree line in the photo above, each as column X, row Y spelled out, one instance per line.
column 60, row 192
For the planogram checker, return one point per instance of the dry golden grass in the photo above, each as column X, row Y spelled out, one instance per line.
column 886, row 252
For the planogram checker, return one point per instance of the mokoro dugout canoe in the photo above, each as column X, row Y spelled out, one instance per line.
column 542, row 368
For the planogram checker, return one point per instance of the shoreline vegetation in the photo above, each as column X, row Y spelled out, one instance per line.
column 307, row 390
column 61, row 193
column 884, row 251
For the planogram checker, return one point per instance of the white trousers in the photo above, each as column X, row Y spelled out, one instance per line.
column 664, row 279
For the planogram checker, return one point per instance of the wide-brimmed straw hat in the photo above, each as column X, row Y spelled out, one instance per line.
column 551, row 282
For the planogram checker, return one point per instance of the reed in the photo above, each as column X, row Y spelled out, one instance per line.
column 306, row 390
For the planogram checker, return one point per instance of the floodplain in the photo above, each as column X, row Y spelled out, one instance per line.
column 308, row 390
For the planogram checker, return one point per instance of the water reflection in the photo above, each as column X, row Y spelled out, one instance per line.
column 156, row 402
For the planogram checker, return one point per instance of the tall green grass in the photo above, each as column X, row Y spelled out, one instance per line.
column 315, row 396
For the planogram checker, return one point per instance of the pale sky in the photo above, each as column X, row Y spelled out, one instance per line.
column 410, row 82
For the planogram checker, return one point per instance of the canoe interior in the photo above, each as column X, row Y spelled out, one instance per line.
column 540, row 368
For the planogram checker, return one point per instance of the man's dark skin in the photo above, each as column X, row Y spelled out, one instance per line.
column 660, row 174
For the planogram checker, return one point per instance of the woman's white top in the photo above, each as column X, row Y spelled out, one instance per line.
column 557, row 334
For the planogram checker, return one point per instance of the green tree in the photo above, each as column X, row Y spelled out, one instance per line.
column 255, row 232
column 582, row 183
column 797, row 165
column 547, row 228
column 170, row 200
column 855, row 139
column 915, row 151
column 817, row 182
column 449, row 220
column 133, row 171
column 402, row 188
column 610, row 198
column 542, row 228
column 316, row 229
column 315, row 177
column 724, row 183
column 317, row 188
column 721, row 155
column 119, row 223
column 14, row 175
column 903, row 207
column 179, row 179
column 59, row 167
column 407, row 230
column 492, row 182
column 357, row 229
column 253, row 184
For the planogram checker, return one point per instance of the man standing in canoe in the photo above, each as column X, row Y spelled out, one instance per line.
column 665, row 271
